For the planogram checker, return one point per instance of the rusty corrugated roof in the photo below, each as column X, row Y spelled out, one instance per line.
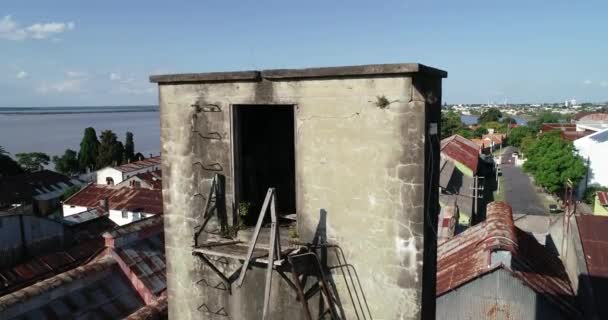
column 467, row 256
column 125, row 198
column 138, row 165
column 48, row 265
column 153, row 178
column 65, row 296
column 593, row 232
column 602, row 196
column 461, row 150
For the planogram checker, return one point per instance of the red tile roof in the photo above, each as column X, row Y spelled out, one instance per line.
column 131, row 199
column 496, row 137
column 602, row 196
column 568, row 130
column 461, row 150
column 468, row 256
column 138, row 165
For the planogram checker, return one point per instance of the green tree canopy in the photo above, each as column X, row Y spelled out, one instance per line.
column 517, row 134
column 8, row 166
column 87, row 156
column 552, row 161
column 492, row 114
column 33, row 161
column 479, row 132
column 129, row 147
column 450, row 123
column 67, row 163
column 111, row 150
column 547, row 117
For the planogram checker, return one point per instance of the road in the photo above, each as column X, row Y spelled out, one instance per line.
column 519, row 191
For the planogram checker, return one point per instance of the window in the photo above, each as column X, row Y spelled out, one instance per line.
column 125, row 214
column 264, row 156
column 110, row 181
column 136, row 215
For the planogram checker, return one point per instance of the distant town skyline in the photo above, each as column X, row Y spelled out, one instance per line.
column 68, row 53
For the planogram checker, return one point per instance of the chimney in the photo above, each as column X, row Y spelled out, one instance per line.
column 104, row 204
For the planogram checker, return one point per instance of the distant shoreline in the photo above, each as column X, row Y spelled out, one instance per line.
column 75, row 110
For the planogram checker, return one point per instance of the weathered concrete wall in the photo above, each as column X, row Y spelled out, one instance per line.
column 23, row 236
column 359, row 166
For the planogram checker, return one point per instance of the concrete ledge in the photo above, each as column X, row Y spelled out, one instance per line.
column 293, row 74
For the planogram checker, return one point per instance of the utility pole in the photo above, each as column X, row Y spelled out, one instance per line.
column 476, row 196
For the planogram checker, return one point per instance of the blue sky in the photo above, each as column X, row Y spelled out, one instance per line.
column 101, row 53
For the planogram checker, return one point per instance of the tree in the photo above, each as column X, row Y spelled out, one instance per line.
column 33, row 161
column 553, row 161
column 492, row 114
column 479, row 132
column 8, row 166
column 450, row 123
column 111, row 151
column 87, row 156
column 68, row 163
column 517, row 134
column 465, row 133
column 139, row 156
column 546, row 117
column 129, row 147
column 508, row 120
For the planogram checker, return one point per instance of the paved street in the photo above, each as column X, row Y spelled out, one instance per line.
column 519, row 191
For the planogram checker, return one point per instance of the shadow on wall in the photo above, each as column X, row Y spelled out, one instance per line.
column 326, row 251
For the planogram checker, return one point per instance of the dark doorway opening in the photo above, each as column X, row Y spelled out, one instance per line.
column 264, row 157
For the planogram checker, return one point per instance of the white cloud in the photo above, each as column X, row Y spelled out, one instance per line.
column 21, row 75
column 10, row 29
column 587, row 82
column 115, row 76
column 604, row 84
column 75, row 74
column 135, row 91
column 70, row 85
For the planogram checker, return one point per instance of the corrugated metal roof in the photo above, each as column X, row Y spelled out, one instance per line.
column 141, row 246
column 602, row 196
column 461, row 150
column 84, row 216
column 146, row 258
column 125, row 198
column 153, row 178
column 24, row 186
column 108, row 296
column 593, row 231
column 48, row 265
column 592, row 117
column 138, row 165
column 468, row 256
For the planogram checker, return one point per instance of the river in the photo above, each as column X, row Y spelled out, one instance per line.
column 52, row 130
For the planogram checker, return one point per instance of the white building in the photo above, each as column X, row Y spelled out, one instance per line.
column 594, row 149
column 123, row 205
column 115, row 175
